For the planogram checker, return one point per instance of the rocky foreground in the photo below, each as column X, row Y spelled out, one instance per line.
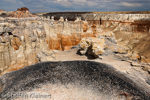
column 72, row 80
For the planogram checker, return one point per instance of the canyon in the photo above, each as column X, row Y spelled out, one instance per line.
column 118, row 39
column 22, row 39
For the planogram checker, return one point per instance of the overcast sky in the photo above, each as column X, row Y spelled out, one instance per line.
column 76, row 5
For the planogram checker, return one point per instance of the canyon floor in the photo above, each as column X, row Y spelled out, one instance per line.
column 122, row 66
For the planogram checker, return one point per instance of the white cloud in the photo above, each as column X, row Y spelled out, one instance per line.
column 130, row 4
column 65, row 3
column 75, row 5
column 90, row 3
column 79, row 1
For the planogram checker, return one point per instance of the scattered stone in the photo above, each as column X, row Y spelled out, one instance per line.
column 133, row 63
column 123, row 57
column 134, row 56
column 146, row 68
column 143, row 59
column 128, row 72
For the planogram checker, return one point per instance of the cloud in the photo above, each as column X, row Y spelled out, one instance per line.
column 65, row 3
column 90, row 3
column 130, row 4
column 76, row 5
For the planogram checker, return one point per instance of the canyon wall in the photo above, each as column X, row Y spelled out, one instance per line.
column 21, row 39
column 130, row 22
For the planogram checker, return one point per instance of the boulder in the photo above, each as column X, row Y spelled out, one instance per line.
column 146, row 68
column 84, row 46
column 92, row 46
column 135, row 64
column 133, row 55
column 123, row 57
column 45, row 56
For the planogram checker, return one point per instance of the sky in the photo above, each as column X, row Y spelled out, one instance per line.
column 76, row 5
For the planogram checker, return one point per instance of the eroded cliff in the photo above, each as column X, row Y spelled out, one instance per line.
column 22, row 39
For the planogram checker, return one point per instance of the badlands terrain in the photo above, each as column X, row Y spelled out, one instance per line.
column 106, row 54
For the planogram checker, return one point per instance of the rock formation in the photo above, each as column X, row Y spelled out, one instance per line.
column 21, row 13
column 85, row 26
column 112, row 34
column 111, row 40
column 92, row 46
